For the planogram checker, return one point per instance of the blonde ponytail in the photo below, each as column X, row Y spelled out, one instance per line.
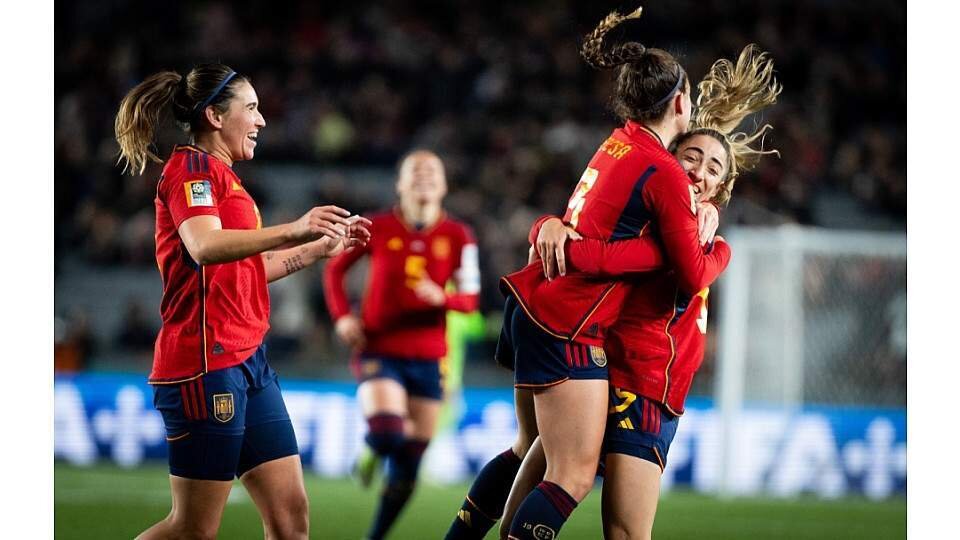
column 136, row 123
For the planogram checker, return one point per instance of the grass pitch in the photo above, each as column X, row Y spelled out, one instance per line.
column 108, row 502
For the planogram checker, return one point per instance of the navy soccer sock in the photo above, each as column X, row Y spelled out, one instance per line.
column 542, row 513
column 401, row 478
column 385, row 434
column 486, row 498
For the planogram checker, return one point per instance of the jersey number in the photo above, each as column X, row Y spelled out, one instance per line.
column 579, row 195
column 627, row 397
column 415, row 267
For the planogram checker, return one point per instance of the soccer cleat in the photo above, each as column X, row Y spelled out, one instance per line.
column 366, row 467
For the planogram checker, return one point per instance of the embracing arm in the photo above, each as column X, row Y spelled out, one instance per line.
column 597, row 257
column 670, row 199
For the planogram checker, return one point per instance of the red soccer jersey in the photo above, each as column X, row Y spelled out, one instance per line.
column 632, row 187
column 656, row 345
column 214, row 316
column 396, row 322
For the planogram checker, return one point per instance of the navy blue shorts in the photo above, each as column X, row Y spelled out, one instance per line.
column 639, row 427
column 420, row 378
column 225, row 422
column 539, row 359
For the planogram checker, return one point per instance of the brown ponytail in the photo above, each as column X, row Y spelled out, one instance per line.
column 207, row 85
column 648, row 77
column 137, row 119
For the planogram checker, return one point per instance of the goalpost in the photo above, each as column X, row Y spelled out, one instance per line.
column 807, row 317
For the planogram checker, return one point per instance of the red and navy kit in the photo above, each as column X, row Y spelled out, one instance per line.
column 656, row 345
column 396, row 323
column 226, row 422
column 632, row 187
column 214, row 316
column 639, row 426
column 219, row 398
column 659, row 340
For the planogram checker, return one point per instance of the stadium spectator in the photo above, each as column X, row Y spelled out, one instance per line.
column 498, row 91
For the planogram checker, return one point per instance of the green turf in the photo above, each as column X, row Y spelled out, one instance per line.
column 107, row 502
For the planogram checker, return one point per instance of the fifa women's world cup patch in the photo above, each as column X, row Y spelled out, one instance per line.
column 223, row 407
column 199, row 193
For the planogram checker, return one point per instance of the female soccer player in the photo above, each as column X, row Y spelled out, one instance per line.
column 220, row 399
column 399, row 337
column 556, row 328
column 657, row 344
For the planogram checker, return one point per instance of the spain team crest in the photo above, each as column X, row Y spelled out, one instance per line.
column 598, row 356
column 441, row 247
column 223, row 407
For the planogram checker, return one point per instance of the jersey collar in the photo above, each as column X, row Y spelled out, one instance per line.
column 410, row 228
column 636, row 129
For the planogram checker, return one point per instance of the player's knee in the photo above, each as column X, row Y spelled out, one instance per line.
column 193, row 530
column 577, row 483
column 615, row 528
column 622, row 531
column 385, row 433
column 291, row 519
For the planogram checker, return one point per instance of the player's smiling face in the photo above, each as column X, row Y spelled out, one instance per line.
column 242, row 123
column 705, row 161
column 422, row 178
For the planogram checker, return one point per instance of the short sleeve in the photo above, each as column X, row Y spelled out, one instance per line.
column 187, row 195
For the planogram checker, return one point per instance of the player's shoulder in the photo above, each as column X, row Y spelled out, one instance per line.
column 189, row 164
column 453, row 225
column 665, row 168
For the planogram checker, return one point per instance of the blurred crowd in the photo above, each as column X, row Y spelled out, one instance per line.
column 498, row 90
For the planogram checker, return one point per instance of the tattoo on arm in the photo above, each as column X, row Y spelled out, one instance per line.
column 292, row 264
column 268, row 256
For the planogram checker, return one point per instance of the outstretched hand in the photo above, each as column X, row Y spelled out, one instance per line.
column 320, row 221
column 355, row 234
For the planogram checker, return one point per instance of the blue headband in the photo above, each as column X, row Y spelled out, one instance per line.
column 671, row 92
column 215, row 93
